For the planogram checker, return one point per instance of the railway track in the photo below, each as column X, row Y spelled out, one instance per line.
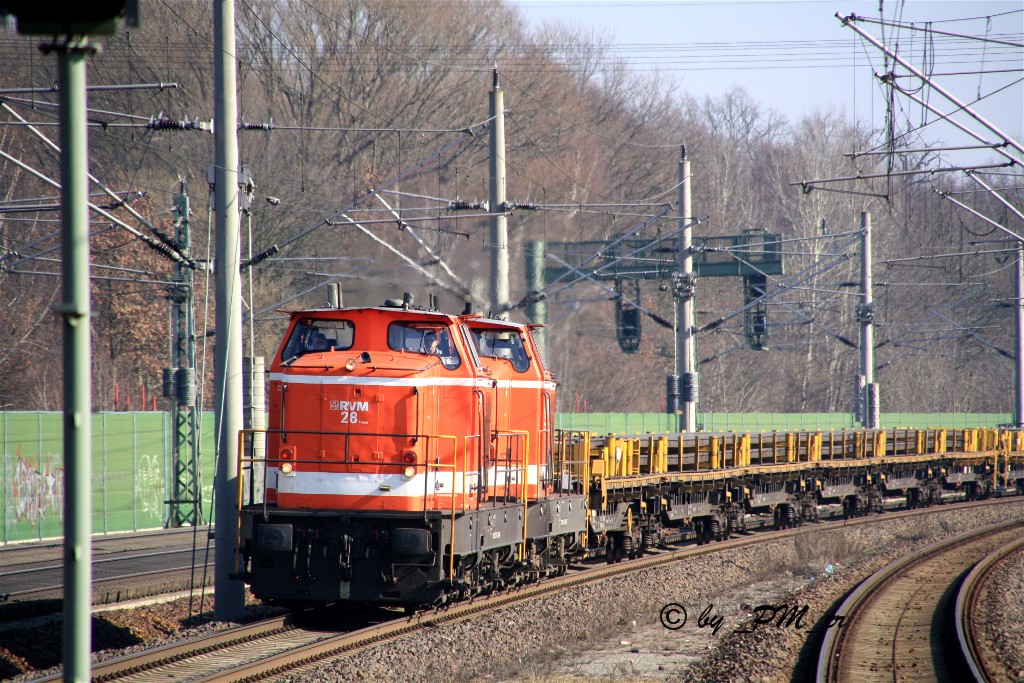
column 33, row 582
column 280, row 647
column 980, row 658
column 897, row 620
column 187, row 659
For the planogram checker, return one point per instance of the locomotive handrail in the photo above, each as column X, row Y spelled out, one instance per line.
column 241, row 459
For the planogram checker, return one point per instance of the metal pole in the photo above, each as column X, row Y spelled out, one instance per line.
column 866, row 318
column 186, row 508
column 997, row 148
column 229, row 593
column 499, row 225
column 848, row 21
column 75, row 309
column 1018, row 308
column 684, row 290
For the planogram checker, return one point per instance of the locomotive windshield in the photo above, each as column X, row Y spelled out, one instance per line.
column 428, row 339
column 504, row 344
column 312, row 335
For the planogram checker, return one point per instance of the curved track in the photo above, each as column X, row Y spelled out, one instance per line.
column 897, row 620
column 981, row 661
column 280, row 648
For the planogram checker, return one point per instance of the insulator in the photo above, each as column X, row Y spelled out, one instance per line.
column 258, row 126
column 690, row 389
column 186, row 387
column 672, row 394
column 261, row 257
column 163, row 249
column 164, row 124
column 459, row 205
column 170, row 382
column 169, row 241
column 161, row 123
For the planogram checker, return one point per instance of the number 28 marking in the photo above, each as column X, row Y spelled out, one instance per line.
column 350, row 418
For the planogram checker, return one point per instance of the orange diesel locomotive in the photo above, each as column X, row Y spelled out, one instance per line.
column 409, row 462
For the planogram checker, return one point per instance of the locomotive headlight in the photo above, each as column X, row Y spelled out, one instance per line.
column 287, row 455
column 409, row 472
column 351, row 364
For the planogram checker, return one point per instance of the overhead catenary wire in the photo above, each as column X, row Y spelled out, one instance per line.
column 982, row 216
column 926, row 29
column 420, row 164
column 168, row 248
column 149, row 241
column 850, row 21
column 419, row 240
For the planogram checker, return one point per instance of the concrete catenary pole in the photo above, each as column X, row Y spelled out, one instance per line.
column 499, row 224
column 537, row 309
column 229, row 593
column 1018, row 308
column 866, row 318
column 684, row 290
column 76, row 312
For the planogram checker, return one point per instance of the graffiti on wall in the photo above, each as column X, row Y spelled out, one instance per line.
column 35, row 492
column 150, row 485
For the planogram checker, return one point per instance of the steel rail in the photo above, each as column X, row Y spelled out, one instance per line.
column 830, row 654
column 966, row 601
column 120, row 577
column 126, row 556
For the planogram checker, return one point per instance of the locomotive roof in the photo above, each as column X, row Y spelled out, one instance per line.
column 475, row 317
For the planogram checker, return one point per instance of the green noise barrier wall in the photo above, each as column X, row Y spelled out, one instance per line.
column 131, row 472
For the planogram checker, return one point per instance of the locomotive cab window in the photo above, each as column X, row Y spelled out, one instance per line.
column 424, row 338
column 502, row 344
column 318, row 336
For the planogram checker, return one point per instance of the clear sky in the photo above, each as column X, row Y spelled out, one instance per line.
column 796, row 57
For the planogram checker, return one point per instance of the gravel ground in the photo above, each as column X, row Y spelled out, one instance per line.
column 610, row 631
column 579, row 635
column 1003, row 605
